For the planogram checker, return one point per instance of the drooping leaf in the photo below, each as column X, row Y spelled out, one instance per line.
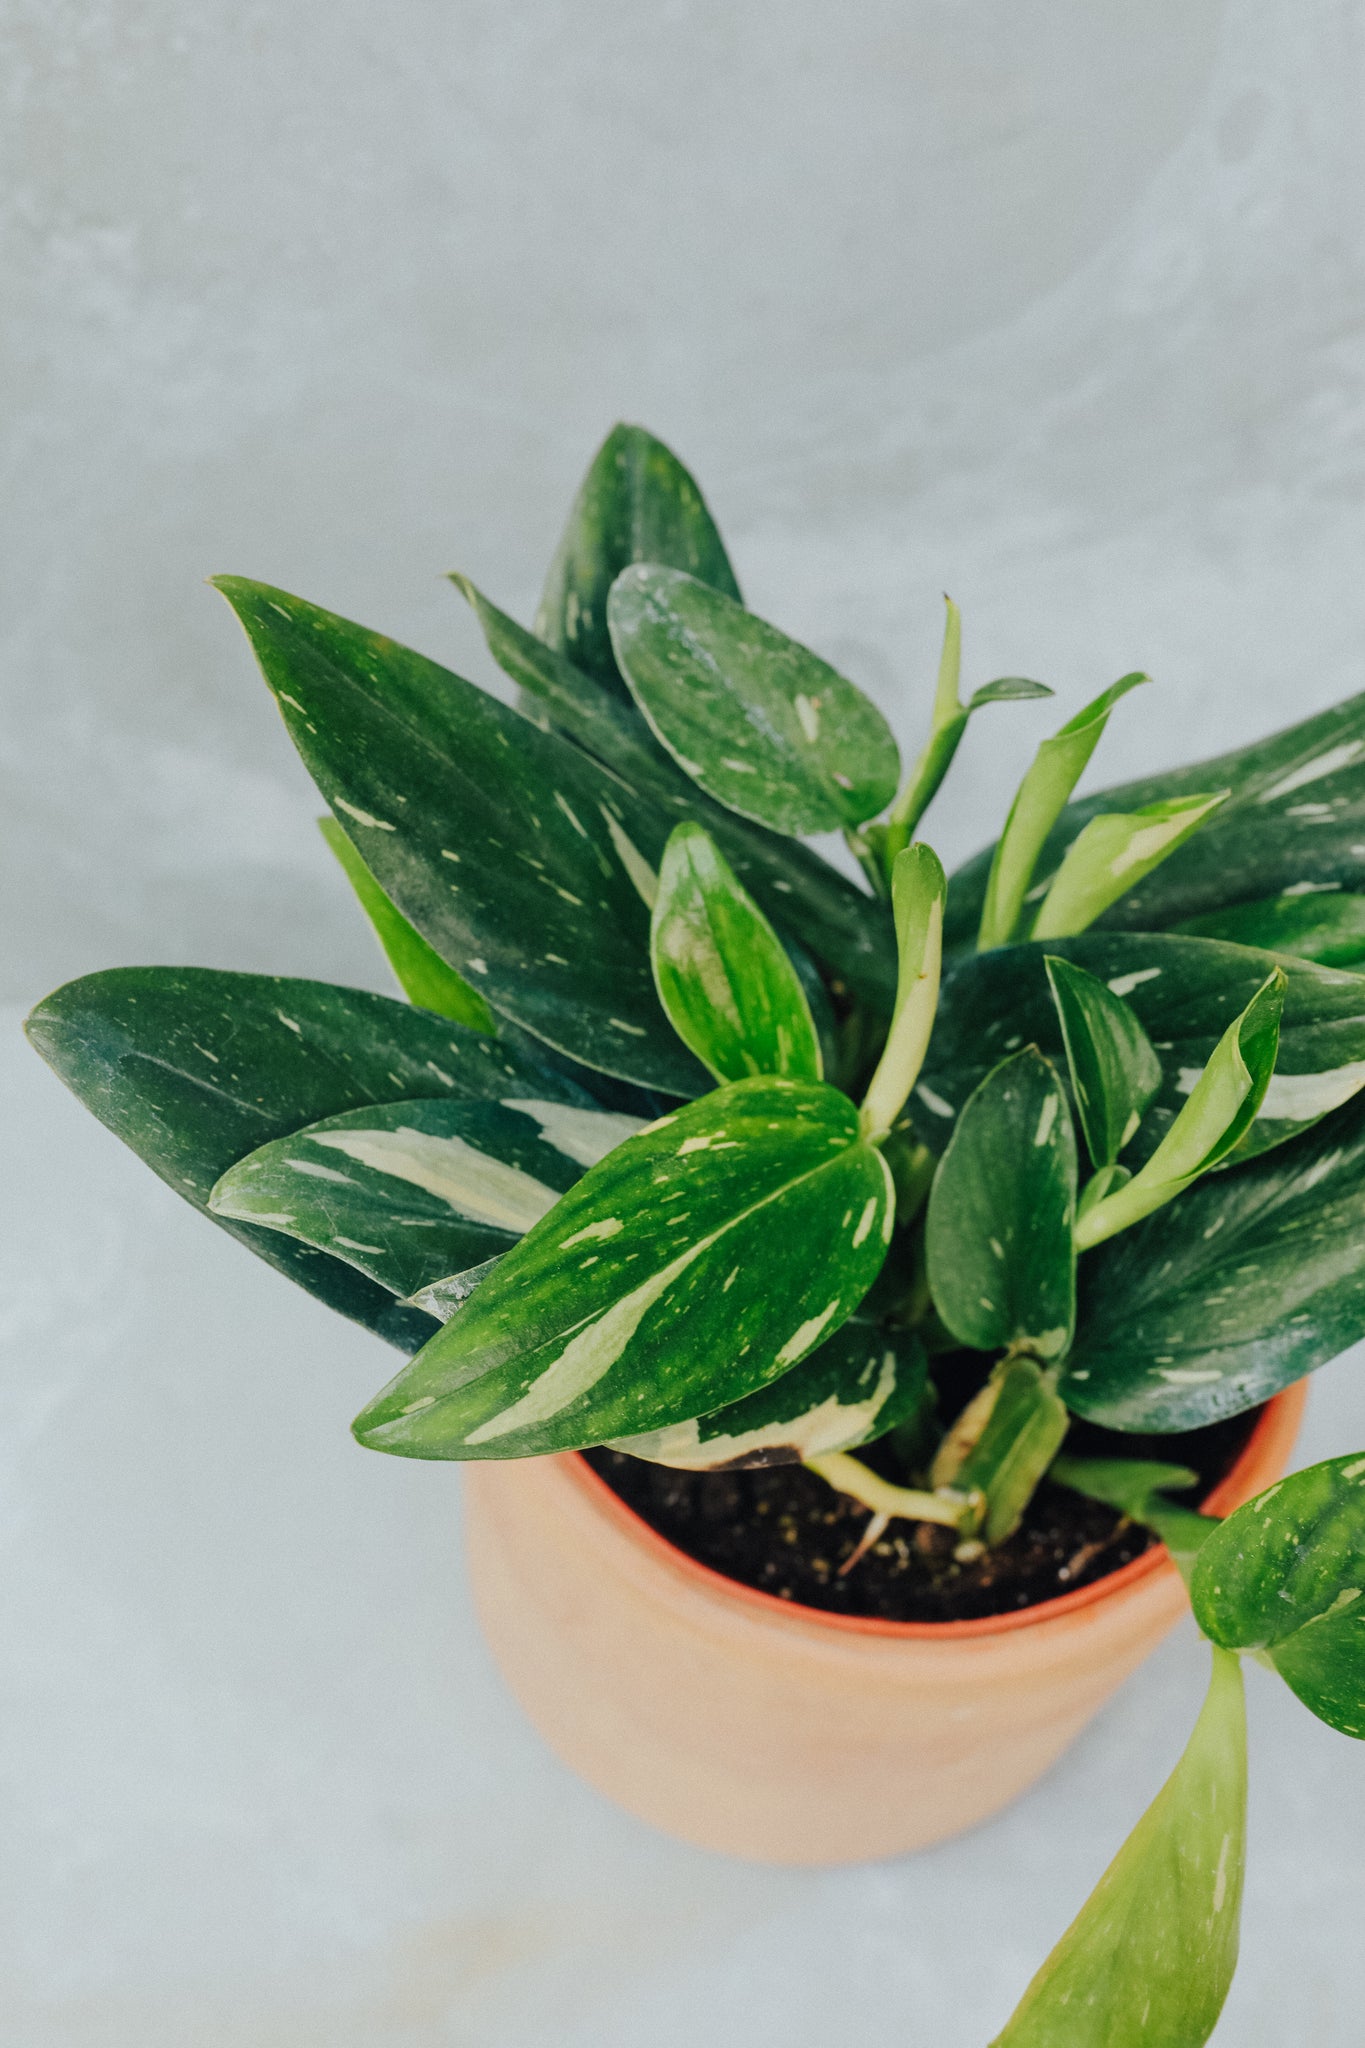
column 1245, row 1283
column 412, row 1192
column 998, row 1233
column 515, row 855
column 1114, row 1071
column 637, row 503
column 1053, row 774
column 727, row 987
column 1327, row 925
column 1148, row 1960
column 1295, row 822
column 1220, row 1111
column 1111, row 855
column 1022, row 1424
column 758, row 721
column 420, row 971
column 1137, row 1487
column 700, row 1260
column 1285, row 1575
column 804, row 897
column 194, row 1068
column 858, row 1385
column 917, row 889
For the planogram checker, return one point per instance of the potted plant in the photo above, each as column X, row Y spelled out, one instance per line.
column 831, row 1283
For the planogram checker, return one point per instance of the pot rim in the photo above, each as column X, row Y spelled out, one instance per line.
column 1276, row 1427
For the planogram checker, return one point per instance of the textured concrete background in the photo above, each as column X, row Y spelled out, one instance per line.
column 1060, row 307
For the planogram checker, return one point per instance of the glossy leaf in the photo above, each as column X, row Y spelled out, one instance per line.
column 1137, row 1487
column 917, row 890
column 420, row 971
column 758, row 721
column 194, row 1068
column 1327, row 925
column 412, row 1192
column 1051, row 777
column 700, row 1260
column 802, row 895
column 1240, row 1287
column 1114, row 1071
column 998, row 1234
column 1285, row 1576
column 1021, row 1429
column 1111, row 856
column 727, row 987
column 637, row 503
column 857, row 1386
column 516, row 856
column 1220, row 1111
column 1148, row 1960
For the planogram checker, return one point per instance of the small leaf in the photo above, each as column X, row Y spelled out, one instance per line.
column 1136, row 1487
column 698, row 1261
column 998, row 1235
column 1023, row 1428
column 1220, row 1111
column 1053, row 775
column 1149, row 1959
column 1327, row 925
column 1008, row 690
column 1285, row 1576
column 420, row 971
column 852, row 1389
column 636, row 504
column 758, row 721
column 412, row 1192
column 1112, row 855
column 1114, row 1072
column 917, row 891
column 727, row 987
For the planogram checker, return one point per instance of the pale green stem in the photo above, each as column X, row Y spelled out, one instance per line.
column 848, row 1475
column 919, row 920
column 936, row 756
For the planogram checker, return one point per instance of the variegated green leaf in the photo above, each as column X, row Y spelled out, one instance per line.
column 1111, row 856
column 727, row 987
column 420, row 971
column 858, row 1385
column 917, row 891
column 700, row 1260
column 998, row 1234
column 412, row 1192
column 1327, row 925
column 758, row 721
column 1285, row 1576
column 1015, row 1427
column 1114, row 1071
column 637, row 503
column 1149, row 1958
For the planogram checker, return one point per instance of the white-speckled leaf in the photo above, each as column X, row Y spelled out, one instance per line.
column 700, row 1260
column 1327, row 925
column 1114, row 1071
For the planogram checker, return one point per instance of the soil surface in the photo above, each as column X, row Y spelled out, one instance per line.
column 784, row 1531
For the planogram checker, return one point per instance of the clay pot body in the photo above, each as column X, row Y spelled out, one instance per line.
column 744, row 1724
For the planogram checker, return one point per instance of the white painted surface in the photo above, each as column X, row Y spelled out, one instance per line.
column 1056, row 306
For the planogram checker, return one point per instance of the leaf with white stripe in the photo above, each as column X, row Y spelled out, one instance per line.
column 701, row 1259
column 411, row 1192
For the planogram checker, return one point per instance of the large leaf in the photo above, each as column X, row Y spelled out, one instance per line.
column 858, row 1385
column 1184, row 993
column 1148, row 1960
column 729, row 990
column 1240, row 1287
column 759, row 722
column 412, row 1192
column 516, row 856
column 1327, row 925
column 419, row 970
column 998, row 1236
column 1295, row 821
column 802, row 894
column 194, row 1068
column 1114, row 1071
column 1285, row 1575
column 636, row 504
column 698, row 1261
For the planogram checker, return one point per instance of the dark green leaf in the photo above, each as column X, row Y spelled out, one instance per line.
column 728, row 989
column 1148, row 1960
column 1111, row 856
column 1240, row 1287
column 1114, row 1071
column 420, row 971
column 194, row 1068
column 636, row 504
column 758, row 721
column 998, row 1235
column 517, row 857
column 1327, row 925
column 1137, row 1488
column 855, row 1387
column 709, row 1254
column 1285, row 1575
column 413, row 1192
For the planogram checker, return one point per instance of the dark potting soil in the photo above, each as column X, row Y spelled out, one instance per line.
column 784, row 1531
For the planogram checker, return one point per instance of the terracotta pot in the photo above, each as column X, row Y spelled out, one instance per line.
column 762, row 1729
